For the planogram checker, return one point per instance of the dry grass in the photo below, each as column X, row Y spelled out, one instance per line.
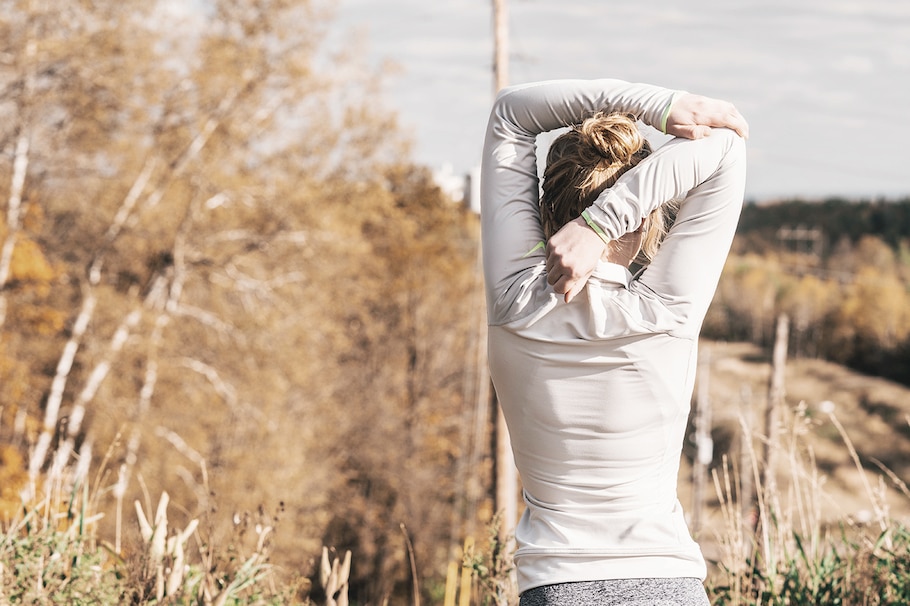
column 50, row 554
column 828, row 526
column 829, row 530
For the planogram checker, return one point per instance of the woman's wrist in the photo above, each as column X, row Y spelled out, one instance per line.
column 666, row 113
column 590, row 223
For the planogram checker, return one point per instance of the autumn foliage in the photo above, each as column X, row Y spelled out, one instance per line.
column 840, row 270
column 223, row 279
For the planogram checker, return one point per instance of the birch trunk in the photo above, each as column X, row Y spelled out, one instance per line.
column 17, row 183
column 54, row 400
column 13, row 214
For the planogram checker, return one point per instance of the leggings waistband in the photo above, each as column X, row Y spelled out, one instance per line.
column 620, row 592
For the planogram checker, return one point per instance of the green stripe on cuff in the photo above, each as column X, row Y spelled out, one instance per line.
column 595, row 226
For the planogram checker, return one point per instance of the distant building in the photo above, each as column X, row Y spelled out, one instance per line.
column 454, row 186
column 462, row 189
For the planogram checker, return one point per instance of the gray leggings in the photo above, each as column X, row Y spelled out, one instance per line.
column 620, row 592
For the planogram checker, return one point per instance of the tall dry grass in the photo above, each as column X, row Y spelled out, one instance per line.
column 780, row 547
column 51, row 553
column 783, row 547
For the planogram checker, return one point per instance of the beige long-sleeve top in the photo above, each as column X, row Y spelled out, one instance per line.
column 596, row 392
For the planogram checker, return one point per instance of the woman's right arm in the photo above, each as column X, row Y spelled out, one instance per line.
column 572, row 253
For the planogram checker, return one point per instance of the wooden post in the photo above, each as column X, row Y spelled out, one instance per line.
column 467, row 573
column 775, row 401
column 746, row 453
column 704, row 444
column 451, row 584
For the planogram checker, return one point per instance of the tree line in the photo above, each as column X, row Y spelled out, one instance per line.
column 838, row 218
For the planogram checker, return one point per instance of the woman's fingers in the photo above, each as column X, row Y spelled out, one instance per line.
column 691, row 115
column 572, row 255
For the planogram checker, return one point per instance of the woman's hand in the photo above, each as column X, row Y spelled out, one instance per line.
column 572, row 255
column 693, row 116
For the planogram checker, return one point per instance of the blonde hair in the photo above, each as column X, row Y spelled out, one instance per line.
column 588, row 159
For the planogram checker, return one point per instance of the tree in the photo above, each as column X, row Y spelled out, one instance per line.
column 235, row 281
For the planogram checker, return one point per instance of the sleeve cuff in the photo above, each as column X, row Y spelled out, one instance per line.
column 600, row 232
column 666, row 112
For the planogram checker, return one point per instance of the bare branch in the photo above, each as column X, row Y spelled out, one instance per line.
column 186, row 450
column 239, row 235
column 224, row 389
column 120, row 219
column 207, row 318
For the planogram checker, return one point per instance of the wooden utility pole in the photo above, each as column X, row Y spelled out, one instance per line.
column 506, row 474
column 500, row 45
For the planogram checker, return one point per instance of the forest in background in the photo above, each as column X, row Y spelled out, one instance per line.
column 221, row 276
column 839, row 269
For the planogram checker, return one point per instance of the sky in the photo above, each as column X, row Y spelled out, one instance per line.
column 824, row 84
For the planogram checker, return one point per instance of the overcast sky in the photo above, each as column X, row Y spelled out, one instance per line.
column 825, row 84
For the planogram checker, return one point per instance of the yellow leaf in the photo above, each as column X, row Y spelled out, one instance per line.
column 29, row 264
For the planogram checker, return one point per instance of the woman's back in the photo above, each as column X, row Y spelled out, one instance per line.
column 595, row 396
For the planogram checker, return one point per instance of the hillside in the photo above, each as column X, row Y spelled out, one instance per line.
column 873, row 411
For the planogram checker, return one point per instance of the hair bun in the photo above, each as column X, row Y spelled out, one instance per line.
column 614, row 137
column 584, row 161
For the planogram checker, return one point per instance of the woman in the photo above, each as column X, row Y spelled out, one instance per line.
column 594, row 368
